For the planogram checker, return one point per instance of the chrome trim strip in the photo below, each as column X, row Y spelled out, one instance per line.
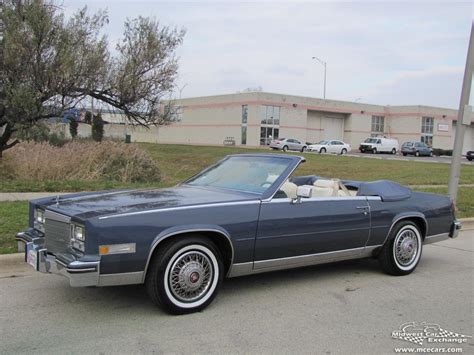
column 242, row 269
column 167, row 209
column 436, row 238
column 48, row 214
column 78, row 271
column 329, row 198
column 126, row 278
column 166, row 236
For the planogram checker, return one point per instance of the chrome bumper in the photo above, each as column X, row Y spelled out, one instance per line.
column 79, row 273
column 455, row 228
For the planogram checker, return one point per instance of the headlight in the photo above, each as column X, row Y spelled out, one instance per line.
column 38, row 223
column 78, row 237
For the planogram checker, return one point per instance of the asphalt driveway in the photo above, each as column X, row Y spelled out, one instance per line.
column 348, row 307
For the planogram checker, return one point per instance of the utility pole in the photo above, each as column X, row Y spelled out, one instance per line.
column 463, row 120
column 324, row 64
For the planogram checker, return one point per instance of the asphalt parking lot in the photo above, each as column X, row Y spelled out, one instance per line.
column 348, row 307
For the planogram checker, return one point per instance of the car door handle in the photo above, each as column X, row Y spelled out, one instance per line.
column 362, row 207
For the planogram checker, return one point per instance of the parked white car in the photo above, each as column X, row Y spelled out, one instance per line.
column 379, row 145
column 286, row 144
column 330, row 146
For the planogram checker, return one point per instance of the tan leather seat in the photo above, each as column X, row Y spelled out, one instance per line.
column 289, row 189
column 325, row 188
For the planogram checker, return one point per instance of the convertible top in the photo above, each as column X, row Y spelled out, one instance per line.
column 386, row 189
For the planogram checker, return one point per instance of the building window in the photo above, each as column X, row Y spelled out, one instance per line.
column 243, row 131
column 377, row 125
column 427, row 124
column 270, row 123
column 270, row 115
column 245, row 112
column 243, row 139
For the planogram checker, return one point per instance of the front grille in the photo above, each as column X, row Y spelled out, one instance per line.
column 57, row 232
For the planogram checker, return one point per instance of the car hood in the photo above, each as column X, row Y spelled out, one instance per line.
column 90, row 205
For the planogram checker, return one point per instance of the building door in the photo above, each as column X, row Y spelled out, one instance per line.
column 333, row 127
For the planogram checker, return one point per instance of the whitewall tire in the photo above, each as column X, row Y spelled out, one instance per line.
column 402, row 251
column 185, row 276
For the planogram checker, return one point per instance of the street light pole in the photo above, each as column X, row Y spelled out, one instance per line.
column 323, row 63
column 461, row 121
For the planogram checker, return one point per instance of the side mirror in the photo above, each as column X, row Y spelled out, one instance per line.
column 303, row 192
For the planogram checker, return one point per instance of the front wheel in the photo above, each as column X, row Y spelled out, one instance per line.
column 343, row 151
column 402, row 250
column 285, row 148
column 417, row 154
column 374, row 150
column 185, row 276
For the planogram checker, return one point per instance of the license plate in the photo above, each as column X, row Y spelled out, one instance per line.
column 32, row 257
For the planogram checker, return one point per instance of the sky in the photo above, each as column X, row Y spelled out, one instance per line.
column 379, row 52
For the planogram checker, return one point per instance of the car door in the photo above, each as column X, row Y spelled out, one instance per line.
column 331, row 147
column 297, row 145
column 314, row 229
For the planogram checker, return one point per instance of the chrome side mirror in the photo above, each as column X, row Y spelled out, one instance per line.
column 304, row 191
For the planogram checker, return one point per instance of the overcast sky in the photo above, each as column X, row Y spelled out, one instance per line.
column 396, row 53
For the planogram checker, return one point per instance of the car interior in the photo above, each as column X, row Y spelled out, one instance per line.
column 320, row 187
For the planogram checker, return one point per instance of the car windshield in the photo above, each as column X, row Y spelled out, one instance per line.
column 371, row 140
column 323, row 142
column 249, row 173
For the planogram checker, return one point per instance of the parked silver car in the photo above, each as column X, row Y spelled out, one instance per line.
column 286, row 144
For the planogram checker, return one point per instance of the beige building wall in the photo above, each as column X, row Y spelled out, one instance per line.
column 209, row 120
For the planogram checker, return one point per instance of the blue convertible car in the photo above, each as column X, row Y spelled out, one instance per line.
column 246, row 214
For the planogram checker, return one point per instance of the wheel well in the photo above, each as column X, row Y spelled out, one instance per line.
column 220, row 241
column 420, row 222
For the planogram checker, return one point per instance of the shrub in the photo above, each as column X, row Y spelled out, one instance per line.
column 88, row 117
column 80, row 160
column 73, row 125
column 97, row 128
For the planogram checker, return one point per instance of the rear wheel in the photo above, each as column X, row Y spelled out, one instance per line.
column 343, row 151
column 303, row 149
column 431, row 154
column 185, row 276
column 394, row 151
column 402, row 250
column 417, row 154
column 323, row 150
column 285, row 148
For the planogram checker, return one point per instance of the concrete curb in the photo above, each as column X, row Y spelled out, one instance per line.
column 467, row 223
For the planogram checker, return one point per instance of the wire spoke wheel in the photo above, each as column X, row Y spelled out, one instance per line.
column 190, row 276
column 406, row 247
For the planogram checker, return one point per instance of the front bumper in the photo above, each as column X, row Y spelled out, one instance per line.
column 80, row 273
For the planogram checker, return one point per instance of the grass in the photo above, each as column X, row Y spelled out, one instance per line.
column 13, row 219
column 179, row 162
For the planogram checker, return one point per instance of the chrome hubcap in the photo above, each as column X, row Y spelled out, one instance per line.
column 406, row 247
column 190, row 276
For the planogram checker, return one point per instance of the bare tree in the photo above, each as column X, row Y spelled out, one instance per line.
column 50, row 64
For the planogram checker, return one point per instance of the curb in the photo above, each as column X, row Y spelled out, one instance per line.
column 467, row 223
